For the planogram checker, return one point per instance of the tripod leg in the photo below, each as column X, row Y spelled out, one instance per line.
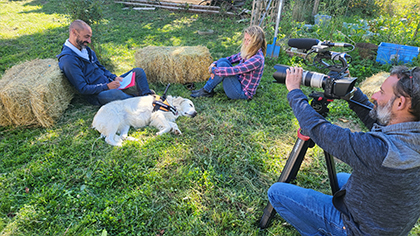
column 332, row 174
column 289, row 172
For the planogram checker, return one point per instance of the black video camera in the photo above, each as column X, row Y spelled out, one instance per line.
column 336, row 84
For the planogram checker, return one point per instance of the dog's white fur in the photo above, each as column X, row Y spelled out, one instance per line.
column 117, row 117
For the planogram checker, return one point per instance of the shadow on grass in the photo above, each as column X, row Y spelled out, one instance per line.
column 126, row 29
column 211, row 180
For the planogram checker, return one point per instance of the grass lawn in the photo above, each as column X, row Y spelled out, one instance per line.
column 212, row 180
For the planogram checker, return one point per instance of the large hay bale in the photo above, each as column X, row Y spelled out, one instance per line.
column 34, row 93
column 174, row 64
column 372, row 84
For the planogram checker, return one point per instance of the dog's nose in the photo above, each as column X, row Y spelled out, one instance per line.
column 194, row 114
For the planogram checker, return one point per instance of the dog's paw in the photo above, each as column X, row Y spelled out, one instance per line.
column 131, row 138
column 114, row 141
column 118, row 144
column 177, row 132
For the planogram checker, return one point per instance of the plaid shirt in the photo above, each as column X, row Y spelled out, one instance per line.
column 249, row 71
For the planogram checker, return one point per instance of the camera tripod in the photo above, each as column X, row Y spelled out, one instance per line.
column 303, row 142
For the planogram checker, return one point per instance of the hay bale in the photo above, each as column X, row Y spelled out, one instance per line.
column 34, row 93
column 372, row 84
column 174, row 64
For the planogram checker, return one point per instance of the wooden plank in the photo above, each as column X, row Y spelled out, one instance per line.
column 136, row 2
column 196, row 2
column 144, row 8
column 191, row 10
column 176, row 6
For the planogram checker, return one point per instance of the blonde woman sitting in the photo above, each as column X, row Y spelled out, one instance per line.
column 239, row 81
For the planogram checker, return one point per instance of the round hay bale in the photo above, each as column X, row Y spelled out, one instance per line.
column 34, row 93
column 372, row 84
column 174, row 64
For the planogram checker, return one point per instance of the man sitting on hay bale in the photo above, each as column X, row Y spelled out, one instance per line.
column 82, row 68
column 239, row 81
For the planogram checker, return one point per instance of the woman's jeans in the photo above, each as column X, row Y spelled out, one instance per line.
column 231, row 84
column 117, row 94
column 309, row 211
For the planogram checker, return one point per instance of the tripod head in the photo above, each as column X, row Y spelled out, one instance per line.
column 320, row 103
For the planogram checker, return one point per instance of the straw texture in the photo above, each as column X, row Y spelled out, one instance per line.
column 372, row 84
column 34, row 93
column 174, row 64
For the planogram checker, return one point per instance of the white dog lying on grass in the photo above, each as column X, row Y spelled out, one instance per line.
column 117, row 116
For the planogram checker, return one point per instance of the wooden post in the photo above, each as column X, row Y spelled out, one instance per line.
column 256, row 12
column 315, row 10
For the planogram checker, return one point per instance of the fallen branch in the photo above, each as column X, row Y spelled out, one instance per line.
column 144, row 8
column 177, row 6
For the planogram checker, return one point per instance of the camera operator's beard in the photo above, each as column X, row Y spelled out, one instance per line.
column 382, row 114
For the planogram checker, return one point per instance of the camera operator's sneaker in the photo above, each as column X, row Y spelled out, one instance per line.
column 202, row 93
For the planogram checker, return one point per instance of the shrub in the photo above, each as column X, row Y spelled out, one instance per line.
column 91, row 12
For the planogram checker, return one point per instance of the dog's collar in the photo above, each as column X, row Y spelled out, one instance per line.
column 158, row 104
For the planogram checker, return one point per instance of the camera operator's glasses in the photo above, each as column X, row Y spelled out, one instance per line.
column 410, row 74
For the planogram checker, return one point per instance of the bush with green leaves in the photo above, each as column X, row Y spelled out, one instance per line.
column 91, row 12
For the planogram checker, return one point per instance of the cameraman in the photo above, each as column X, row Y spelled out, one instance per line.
column 382, row 195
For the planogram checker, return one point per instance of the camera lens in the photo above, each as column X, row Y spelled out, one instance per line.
column 313, row 79
column 280, row 74
column 310, row 79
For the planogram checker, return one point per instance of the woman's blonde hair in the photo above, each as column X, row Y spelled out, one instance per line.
column 257, row 36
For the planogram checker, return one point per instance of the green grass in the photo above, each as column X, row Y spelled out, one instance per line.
column 212, row 180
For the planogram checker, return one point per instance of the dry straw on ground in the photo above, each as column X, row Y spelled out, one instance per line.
column 174, row 64
column 372, row 84
column 34, row 93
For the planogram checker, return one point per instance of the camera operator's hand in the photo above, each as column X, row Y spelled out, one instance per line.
column 293, row 78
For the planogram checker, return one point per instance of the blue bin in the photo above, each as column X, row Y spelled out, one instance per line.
column 391, row 53
column 322, row 20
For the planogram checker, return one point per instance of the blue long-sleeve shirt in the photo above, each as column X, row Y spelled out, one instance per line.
column 382, row 195
column 89, row 77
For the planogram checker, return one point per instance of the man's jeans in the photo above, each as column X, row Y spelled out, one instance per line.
column 231, row 84
column 309, row 211
column 116, row 94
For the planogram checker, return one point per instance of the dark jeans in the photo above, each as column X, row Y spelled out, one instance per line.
column 309, row 211
column 115, row 94
column 231, row 84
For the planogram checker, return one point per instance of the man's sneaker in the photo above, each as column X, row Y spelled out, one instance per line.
column 202, row 93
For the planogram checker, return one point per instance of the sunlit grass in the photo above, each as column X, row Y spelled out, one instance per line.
column 212, row 180
column 18, row 18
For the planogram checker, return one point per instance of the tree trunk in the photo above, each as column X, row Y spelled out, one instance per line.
column 315, row 10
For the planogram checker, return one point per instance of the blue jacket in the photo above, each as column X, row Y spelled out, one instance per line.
column 382, row 195
column 89, row 77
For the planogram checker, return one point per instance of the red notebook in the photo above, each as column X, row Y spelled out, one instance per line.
column 128, row 81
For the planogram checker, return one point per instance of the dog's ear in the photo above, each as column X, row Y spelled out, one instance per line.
column 178, row 100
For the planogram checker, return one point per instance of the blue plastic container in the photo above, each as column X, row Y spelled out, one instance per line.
column 391, row 53
column 322, row 19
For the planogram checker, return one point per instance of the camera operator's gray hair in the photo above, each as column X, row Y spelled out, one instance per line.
column 408, row 87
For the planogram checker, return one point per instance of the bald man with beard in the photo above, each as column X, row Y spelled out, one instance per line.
column 91, row 79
